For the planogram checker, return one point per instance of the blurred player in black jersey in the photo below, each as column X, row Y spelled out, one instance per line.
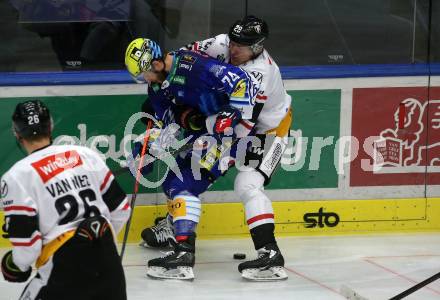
column 63, row 209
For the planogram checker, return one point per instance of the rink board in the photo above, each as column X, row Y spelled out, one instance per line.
column 223, row 220
column 326, row 178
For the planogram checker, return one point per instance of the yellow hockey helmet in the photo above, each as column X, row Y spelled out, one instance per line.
column 139, row 55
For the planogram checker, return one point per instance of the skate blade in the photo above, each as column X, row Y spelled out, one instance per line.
column 181, row 273
column 271, row 274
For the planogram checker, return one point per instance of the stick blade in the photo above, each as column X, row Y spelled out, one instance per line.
column 350, row 294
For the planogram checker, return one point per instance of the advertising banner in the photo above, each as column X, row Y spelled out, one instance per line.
column 309, row 161
column 99, row 123
column 398, row 131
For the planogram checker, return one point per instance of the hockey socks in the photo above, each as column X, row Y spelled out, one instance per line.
column 183, row 229
column 263, row 235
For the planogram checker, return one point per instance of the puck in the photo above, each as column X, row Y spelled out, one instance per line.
column 239, row 256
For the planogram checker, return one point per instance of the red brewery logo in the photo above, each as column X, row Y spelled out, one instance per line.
column 53, row 165
column 399, row 135
column 399, row 149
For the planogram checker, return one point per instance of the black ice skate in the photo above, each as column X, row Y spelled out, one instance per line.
column 267, row 267
column 157, row 236
column 176, row 264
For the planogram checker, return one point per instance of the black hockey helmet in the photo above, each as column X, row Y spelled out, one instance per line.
column 250, row 31
column 31, row 119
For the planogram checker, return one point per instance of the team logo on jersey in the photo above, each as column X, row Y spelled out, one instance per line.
column 53, row 165
column 185, row 66
column 165, row 84
column 257, row 76
column 240, row 89
column 179, row 80
column 204, row 46
column 188, row 58
column 3, row 189
column 217, row 70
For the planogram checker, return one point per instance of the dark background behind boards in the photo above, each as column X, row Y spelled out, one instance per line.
column 72, row 35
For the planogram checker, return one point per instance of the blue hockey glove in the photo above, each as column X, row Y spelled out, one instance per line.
column 134, row 159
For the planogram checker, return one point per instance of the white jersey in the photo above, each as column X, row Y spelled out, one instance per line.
column 51, row 191
column 272, row 97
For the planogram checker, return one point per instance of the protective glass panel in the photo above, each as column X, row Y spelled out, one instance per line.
column 321, row 32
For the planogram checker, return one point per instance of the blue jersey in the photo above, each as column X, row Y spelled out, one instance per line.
column 201, row 82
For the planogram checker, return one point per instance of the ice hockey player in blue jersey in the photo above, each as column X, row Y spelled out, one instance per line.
column 243, row 46
column 184, row 84
column 190, row 79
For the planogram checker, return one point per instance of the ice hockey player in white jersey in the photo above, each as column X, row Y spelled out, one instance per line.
column 272, row 115
column 63, row 209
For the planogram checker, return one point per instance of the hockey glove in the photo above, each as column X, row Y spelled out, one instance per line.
column 147, row 107
column 11, row 272
column 226, row 120
column 191, row 119
column 132, row 164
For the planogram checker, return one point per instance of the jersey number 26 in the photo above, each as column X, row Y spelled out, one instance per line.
column 68, row 206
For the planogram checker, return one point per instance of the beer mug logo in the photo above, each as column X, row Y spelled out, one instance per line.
column 414, row 140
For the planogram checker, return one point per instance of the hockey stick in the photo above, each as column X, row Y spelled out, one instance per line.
column 136, row 187
column 416, row 287
column 219, row 150
column 167, row 153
